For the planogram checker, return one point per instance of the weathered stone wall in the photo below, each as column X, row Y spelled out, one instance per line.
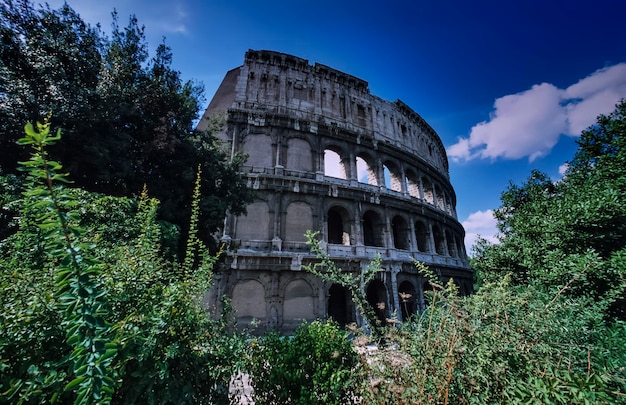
column 388, row 193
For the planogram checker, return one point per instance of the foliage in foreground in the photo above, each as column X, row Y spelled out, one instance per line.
column 95, row 313
column 317, row 366
column 503, row 345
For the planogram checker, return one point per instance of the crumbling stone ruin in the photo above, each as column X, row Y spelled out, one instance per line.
column 371, row 176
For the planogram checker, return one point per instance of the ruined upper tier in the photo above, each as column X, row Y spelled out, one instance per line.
column 279, row 83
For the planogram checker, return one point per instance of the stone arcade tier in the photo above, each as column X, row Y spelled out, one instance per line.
column 371, row 176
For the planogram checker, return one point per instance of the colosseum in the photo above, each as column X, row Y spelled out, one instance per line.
column 370, row 175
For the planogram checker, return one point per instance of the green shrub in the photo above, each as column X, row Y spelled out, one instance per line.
column 316, row 366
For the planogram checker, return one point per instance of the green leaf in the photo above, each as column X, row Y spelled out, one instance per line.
column 75, row 382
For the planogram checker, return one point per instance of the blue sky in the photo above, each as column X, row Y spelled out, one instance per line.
column 507, row 85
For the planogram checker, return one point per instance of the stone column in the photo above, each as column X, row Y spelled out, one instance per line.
column 395, row 269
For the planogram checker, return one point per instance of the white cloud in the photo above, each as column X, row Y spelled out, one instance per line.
column 529, row 124
column 563, row 168
column 480, row 224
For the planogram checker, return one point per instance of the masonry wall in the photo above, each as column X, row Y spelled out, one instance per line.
column 371, row 176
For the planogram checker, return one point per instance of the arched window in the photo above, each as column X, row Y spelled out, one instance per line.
column 248, row 301
column 451, row 244
column 299, row 155
column 299, row 303
column 429, row 196
column 400, row 233
column 338, row 226
column 333, row 165
column 377, row 297
column 365, row 172
column 440, row 244
column 412, row 184
column 421, row 235
column 299, row 220
column 440, row 203
column 339, row 305
column 372, row 229
column 393, row 180
column 259, row 150
column 255, row 224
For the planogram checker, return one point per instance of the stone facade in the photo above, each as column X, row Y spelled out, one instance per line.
column 371, row 176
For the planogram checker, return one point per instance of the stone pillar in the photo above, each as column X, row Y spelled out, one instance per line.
column 413, row 239
column 431, row 237
column 395, row 269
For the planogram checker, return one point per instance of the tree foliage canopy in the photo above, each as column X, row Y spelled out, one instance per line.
column 127, row 118
column 573, row 231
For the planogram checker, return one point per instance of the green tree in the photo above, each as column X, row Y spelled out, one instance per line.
column 92, row 310
column 128, row 119
column 571, row 233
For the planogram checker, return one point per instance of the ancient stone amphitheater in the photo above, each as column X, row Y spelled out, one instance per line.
column 370, row 175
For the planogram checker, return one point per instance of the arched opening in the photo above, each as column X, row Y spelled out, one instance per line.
column 377, row 297
column 393, row 180
column 421, row 235
column 333, row 164
column 365, row 172
column 451, row 245
column 298, row 305
column 440, row 244
column 429, row 195
column 440, row 203
column 412, row 184
column 338, row 227
column 449, row 209
column 258, row 147
column 408, row 299
column 460, row 247
column 254, row 225
column 299, row 220
column 299, row 156
column 338, row 305
column 372, row 229
column 248, row 301
column 400, row 233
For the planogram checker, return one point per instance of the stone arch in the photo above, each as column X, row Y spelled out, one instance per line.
column 248, row 301
column 298, row 304
column 429, row 195
column 393, row 179
column 255, row 224
column 440, row 203
column 376, row 294
column 338, row 225
column 412, row 184
column 400, row 230
column 451, row 244
column 299, row 219
column 299, row 156
column 421, row 236
column 449, row 209
column 339, row 305
column 408, row 299
column 440, row 243
column 334, row 164
column 366, row 172
column 460, row 246
column 373, row 229
column 259, row 150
